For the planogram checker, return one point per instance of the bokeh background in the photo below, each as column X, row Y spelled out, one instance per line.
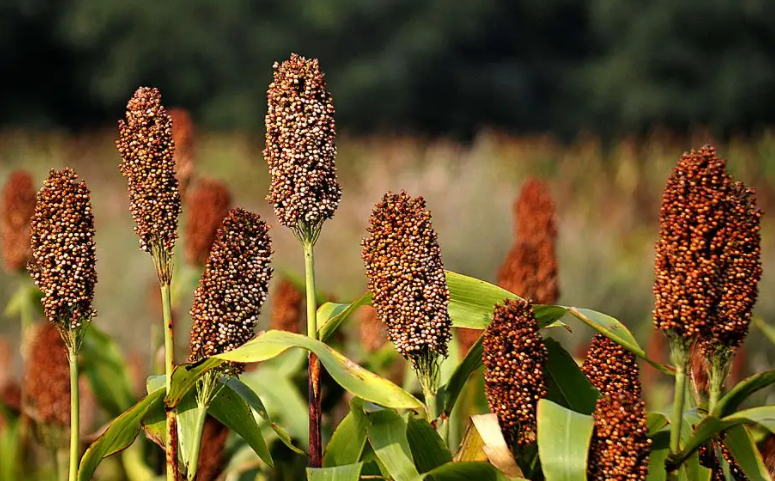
column 457, row 101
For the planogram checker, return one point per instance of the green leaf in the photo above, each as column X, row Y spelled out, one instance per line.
column 563, row 442
column 231, row 410
column 467, row 471
column 483, row 440
column 731, row 400
column 449, row 393
column 349, row 439
column 190, row 424
column 10, row 451
column 566, row 384
column 387, row 436
column 252, row 399
column 282, row 398
column 763, row 415
column 745, row 452
column 331, row 315
column 655, row 421
column 350, row 472
column 349, row 375
column 426, row 445
column 660, row 449
column 121, row 432
column 105, row 367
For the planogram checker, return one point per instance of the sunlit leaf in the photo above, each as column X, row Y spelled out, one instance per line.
column 349, row 472
column 231, row 410
column 563, row 442
column 427, row 447
column 331, row 315
column 349, row 439
column 483, row 440
column 387, row 436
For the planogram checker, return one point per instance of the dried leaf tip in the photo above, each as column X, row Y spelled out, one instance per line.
column 17, row 206
column 207, row 204
column 514, row 356
column 63, row 250
column 183, row 136
column 147, row 148
column 406, row 276
column 708, row 256
column 234, row 286
column 530, row 267
column 611, row 368
column 300, row 147
column 620, row 446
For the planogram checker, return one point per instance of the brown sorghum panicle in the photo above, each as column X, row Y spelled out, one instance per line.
column 611, row 368
column 371, row 331
column 63, row 252
column 300, row 145
column 145, row 143
column 212, row 456
column 620, row 447
column 707, row 259
column 514, row 356
column 207, row 204
column 466, row 338
column 287, row 308
column 530, row 268
column 183, row 137
column 47, row 377
column 16, row 208
column 234, row 285
column 406, row 276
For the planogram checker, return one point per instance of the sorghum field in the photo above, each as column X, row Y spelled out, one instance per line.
column 573, row 227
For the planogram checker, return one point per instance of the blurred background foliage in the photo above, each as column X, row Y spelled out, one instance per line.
column 607, row 66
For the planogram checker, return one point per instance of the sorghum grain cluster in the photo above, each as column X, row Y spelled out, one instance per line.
column 300, row 145
column 286, row 307
column 47, row 377
column 207, row 204
column 406, row 276
column 514, row 356
column 63, row 251
column 611, row 368
column 234, row 285
column 16, row 208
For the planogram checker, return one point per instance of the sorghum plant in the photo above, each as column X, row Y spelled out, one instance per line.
column 207, row 204
column 611, row 368
column 147, row 148
column 300, row 150
column 63, row 267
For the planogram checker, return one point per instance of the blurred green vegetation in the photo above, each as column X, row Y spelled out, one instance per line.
column 607, row 66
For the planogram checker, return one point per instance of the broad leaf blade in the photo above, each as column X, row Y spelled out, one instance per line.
column 232, row 411
column 450, row 392
column 732, row 400
column 427, row 447
column 118, row 436
column 350, row 472
column 349, row 439
column 387, row 436
column 471, row 301
column 660, row 449
column 566, row 384
column 563, row 442
column 743, row 448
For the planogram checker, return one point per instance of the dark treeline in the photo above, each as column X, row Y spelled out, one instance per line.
column 434, row 66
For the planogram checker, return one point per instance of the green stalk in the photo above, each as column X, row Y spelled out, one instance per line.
column 717, row 375
column 169, row 365
column 74, row 414
column 678, row 409
column 313, row 370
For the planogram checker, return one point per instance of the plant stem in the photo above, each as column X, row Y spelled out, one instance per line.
column 74, row 415
column 201, row 416
column 717, row 375
column 678, row 409
column 169, row 365
column 313, row 370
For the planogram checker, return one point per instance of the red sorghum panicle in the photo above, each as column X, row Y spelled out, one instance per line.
column 620, row 447
column 372, row 333
column 234, row 285
column 287, row 307
column 145, row 143
column 707, row 259
column 466, row 338
column 47, row 377
column 611, row 368
column 530, row 268
column 212, row 456
column 207, row 204
column 514, row 356
column 300, row 145
column 63, row 252
column 16, row 208
column 183, row 136
column 406, row 276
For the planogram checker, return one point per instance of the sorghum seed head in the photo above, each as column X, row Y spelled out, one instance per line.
column 233, row 287
column 212, row 457
column 620, row 447
column 530, row 268
column 466, row 338
column 145, row 143
column 371, row 331
column 286, row 307
column 183, row 137
column 514, row 356
column 300, row 145
column 47, row 377
column 16, row 208
column 207, row 204
column 63, row 252
column 611, row 368
column 406, row 277
column 707, row 258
